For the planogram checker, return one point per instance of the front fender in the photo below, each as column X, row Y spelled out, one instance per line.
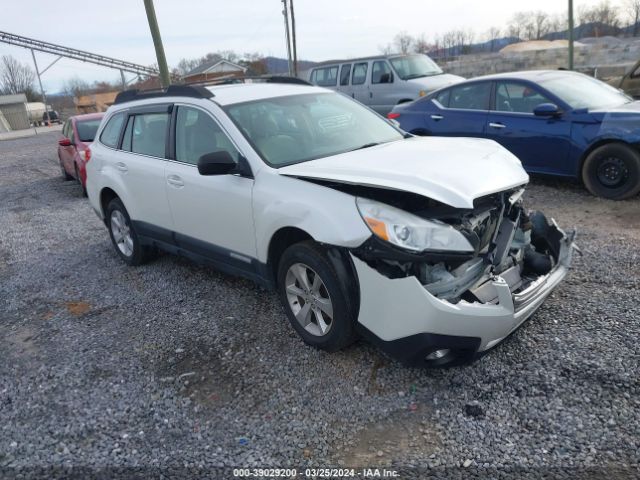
column 327, row 215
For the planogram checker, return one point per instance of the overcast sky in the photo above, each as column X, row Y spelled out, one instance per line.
column 191, row 28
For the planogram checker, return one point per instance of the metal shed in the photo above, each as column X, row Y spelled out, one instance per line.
column 13, row 112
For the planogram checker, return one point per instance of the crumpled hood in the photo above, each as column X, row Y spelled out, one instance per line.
column 454, row 171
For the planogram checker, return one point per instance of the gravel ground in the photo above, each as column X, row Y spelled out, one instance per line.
column 176, row 370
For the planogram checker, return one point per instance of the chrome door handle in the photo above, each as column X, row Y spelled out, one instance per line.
column 436, row 117
column 122, row 167
column 497, row 125
column 175, row 181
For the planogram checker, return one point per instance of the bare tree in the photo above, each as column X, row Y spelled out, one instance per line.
column 16, row 77
column 76, row 87
column 603, row 13
column 403, row 42
column 422, row 45
column 448, row 42
column 254, row 63
column 386, row 49
column 559, row 22
column 632, row 8
column 541, row 23
column 518, row 25
column 437, row 45
column 492, row 36
column 104, row 86
column 186, row 65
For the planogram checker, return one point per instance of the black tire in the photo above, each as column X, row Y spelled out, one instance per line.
column 139, row 253
column 342, row 326
column 612, row 171
column 79, row 180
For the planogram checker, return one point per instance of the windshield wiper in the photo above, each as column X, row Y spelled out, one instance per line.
column 366, row 145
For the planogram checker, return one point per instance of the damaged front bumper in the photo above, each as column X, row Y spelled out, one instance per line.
column 410, row 323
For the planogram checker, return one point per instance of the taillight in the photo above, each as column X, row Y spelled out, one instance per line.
column 87, row 154
column 392, row 115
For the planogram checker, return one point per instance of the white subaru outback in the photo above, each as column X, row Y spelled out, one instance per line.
column 420, row 244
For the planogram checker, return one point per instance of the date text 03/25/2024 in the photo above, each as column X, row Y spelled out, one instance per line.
column 314, row 473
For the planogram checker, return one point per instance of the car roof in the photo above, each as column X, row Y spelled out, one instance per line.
column 88, row 116
column 327, row 63
column 247, row 92
column 531, row 75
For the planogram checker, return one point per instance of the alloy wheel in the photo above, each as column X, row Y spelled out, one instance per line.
column 309, row 299
column 121, row 231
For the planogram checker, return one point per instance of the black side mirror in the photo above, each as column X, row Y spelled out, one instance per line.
column 386, row 78
column 547, row 110
column 216, row 163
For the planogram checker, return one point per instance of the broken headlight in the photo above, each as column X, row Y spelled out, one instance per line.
column 410, row 231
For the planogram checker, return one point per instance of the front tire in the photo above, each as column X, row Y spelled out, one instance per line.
column 123, row 235
column 316, row 298
column 612, row 171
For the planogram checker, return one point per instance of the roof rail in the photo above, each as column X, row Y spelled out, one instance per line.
column 252, row 79
column 193, row 91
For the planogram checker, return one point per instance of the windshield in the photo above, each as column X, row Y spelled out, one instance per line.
column 87, row 129
column 298, row 128
column 414, row 66
column 581, row 91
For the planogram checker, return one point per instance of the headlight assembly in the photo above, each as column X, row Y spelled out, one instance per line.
column 409, row 231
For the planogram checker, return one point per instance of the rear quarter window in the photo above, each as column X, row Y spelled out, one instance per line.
column 325, row 77
column 111, row 132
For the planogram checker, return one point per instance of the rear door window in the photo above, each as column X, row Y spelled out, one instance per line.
column 146, row 134
column 359, row 73
column 471, row 97
column 345, row 73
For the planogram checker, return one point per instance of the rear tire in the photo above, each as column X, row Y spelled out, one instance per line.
column 612, row 171
column 316, row 298
column 79, row 180
column 65, row 175
column 124, row 237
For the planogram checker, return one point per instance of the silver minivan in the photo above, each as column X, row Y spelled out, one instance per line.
column 384, row 81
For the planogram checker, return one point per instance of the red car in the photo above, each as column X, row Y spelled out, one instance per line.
column 73, row 148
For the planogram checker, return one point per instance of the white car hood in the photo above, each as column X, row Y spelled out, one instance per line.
column 454, row 171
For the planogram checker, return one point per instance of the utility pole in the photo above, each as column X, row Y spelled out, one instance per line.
column 286, row 34
column 570, row 34
column 44, row 97
column 293, row 40
column 157, row 43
